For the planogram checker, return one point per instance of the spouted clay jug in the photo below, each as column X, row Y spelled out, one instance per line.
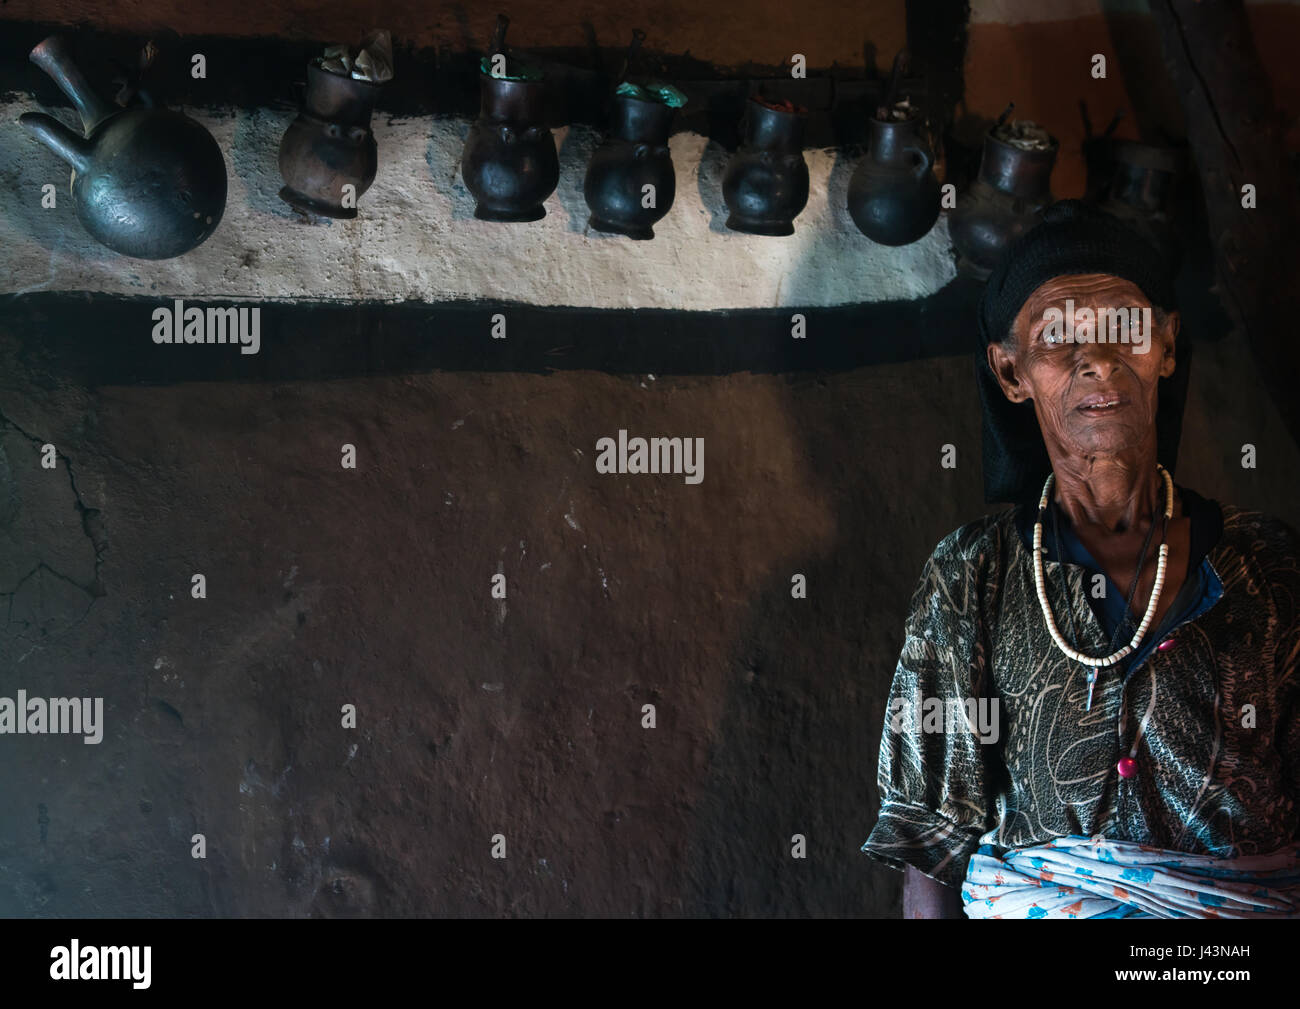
column 147, row 182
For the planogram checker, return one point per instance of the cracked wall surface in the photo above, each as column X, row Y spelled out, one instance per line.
column 50, row 575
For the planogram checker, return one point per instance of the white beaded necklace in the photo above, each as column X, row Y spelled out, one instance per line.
column 1131, row 647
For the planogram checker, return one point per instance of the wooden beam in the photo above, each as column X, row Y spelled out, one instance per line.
column 1236, row 135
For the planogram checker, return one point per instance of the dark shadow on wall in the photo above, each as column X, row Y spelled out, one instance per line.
column 795, row 759
column 797, row 749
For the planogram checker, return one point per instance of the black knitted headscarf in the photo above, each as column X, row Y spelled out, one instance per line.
column 1072, row 237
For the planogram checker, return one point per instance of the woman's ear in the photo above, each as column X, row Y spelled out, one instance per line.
column 1170, row 340
column 1002, row 362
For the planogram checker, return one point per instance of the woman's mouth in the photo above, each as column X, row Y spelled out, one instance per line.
column 1102, row 403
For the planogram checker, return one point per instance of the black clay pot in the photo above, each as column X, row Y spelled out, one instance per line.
column 509, row 162
column 893, row 194
column 330, row 145
column 1141, row 193
column 766, row 183
column 147, row 182
column 1002, row 203
column 633, row 155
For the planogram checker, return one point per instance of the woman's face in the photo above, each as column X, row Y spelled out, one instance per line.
column 1089, row 358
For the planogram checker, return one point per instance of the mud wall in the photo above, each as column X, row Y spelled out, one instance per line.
column 372, row 586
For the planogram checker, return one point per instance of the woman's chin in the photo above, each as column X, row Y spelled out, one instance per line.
column 1105, row 438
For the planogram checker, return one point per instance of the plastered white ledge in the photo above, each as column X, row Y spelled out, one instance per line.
column 416, row 238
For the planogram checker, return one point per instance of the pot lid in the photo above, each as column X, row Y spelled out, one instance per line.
column 654, row 91
column 523, row 71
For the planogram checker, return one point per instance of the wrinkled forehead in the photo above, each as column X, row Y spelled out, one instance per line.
column 1086, row 290
column 1090, row 290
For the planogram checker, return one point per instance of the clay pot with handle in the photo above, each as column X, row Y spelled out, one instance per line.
column 1003, row 202
column 893, row 194
column 147, row 182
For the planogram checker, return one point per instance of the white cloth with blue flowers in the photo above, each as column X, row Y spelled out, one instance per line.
column 1079, row 877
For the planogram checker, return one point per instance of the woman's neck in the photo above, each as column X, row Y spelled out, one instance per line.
column 1117, row 493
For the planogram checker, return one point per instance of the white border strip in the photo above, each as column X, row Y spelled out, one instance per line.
column 416, row 238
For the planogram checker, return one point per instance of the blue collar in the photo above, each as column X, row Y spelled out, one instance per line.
column 1200, row 591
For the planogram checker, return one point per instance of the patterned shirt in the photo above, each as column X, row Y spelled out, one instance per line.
column 1212, row 719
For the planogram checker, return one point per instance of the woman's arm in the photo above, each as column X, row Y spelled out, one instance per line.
column 938, row 790
column 924, row 897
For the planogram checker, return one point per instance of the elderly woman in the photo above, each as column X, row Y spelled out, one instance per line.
column 1131, row 647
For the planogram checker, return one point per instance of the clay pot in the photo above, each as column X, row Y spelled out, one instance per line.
column 1002, row 203
column 766, row 183
column 330, row 145
column 509, row 162
column 893, row 194
column 146, row 182
column 1141, row 192
column 633, row 154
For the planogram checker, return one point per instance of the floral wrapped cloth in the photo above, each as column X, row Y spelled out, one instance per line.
column 1078, row 877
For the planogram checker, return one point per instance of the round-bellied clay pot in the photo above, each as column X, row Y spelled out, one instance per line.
column 633, row 156
column 329, row 146
column 1003, row 202
column 509, row 163
column 147, row 182
column 893, row 194
column 766, row 183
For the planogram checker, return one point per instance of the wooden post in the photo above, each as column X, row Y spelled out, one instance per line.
column 1236, row 136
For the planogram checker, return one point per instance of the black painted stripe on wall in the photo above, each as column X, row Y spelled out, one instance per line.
column 102, row 340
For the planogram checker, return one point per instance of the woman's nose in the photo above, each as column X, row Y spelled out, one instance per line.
column 1101, row 359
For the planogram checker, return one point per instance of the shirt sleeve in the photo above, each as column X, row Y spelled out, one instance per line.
column 935, row 774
